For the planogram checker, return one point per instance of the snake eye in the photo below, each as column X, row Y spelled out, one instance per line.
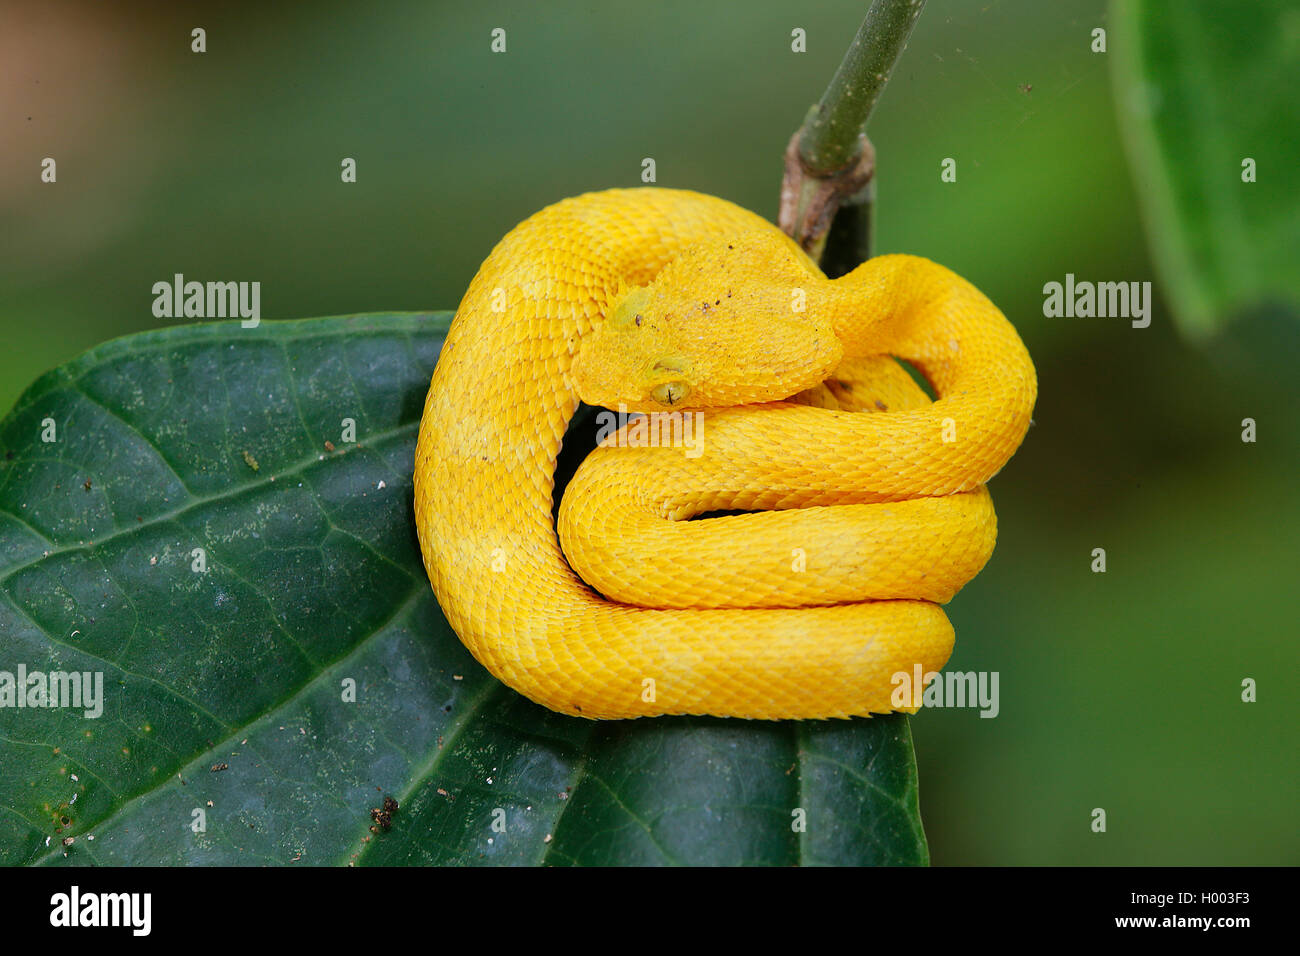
column 670, row 393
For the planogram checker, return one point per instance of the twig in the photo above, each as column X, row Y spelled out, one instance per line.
column 829, row 158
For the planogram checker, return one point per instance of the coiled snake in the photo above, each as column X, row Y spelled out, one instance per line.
column 863, row 503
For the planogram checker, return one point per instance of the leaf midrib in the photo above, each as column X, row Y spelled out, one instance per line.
column 197, row 502
column 403, row 607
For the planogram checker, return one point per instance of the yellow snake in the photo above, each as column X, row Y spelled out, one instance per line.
column 864, row 502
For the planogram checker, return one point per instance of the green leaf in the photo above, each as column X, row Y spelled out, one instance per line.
column 225, row 687
column 1201, row 87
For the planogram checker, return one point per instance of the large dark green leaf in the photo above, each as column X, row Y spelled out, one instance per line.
column 225, row 688
column 1202, row 86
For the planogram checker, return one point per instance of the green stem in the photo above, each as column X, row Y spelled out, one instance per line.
column 829, row 160
column 829, row 141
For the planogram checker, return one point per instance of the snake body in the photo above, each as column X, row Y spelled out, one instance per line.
column 864, row 502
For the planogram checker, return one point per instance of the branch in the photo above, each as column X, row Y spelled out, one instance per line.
column 829, row 158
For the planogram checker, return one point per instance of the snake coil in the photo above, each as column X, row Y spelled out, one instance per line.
column 863, row 501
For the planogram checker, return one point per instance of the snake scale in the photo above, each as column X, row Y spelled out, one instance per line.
column 854, row 505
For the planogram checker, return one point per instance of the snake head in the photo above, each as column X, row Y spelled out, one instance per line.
column 720, row 325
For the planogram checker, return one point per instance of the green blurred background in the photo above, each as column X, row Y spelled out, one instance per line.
column 1118, row 690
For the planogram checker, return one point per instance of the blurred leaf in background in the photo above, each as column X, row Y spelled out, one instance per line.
column 1206, row 97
